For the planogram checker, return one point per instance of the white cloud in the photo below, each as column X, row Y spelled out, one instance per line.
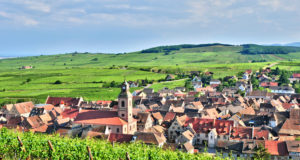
column 19, row 19
column 275, row 5
column 36, row 5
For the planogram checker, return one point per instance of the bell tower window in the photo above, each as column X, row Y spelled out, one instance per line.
column 123, row 104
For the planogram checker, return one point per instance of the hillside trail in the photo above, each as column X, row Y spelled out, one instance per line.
column 269, row 66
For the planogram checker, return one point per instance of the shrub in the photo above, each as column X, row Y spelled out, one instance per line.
column 58, row 82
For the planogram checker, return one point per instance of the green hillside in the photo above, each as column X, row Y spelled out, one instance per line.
column 166, row 55
column 86, row 74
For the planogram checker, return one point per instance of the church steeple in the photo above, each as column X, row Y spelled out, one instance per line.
column 125, row 92
column 125, row 103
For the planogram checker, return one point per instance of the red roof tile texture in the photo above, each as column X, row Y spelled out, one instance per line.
column 276, row 148
column 24, row 107
column 70, row 113
column 201, row 125
column 296, row 75
column 56, row 101
column 103, row 102
column 169, row 116
column 99, row 118
column 121, row 138
column 246, row 133
column 268, row 84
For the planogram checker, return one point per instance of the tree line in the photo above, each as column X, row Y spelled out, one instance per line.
column 258, row 49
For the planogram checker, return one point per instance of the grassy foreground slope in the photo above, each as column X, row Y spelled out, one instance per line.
column 36, row 146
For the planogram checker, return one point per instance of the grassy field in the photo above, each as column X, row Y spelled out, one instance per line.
column 168, row 84
column 85, row 82
column 191, row 56
column 84, row 74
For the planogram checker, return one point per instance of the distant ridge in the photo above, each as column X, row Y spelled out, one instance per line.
column 293, row 44
column 6, row 57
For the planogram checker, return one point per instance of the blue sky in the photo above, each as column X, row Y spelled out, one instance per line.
column 35, row 27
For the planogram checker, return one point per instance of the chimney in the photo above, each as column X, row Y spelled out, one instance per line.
column 230, row 131
column 252, row 132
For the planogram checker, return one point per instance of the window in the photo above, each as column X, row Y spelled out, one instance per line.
column 123, row 103
column 118, row 130
column 123, row 115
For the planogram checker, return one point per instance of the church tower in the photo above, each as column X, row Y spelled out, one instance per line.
column 125, row 103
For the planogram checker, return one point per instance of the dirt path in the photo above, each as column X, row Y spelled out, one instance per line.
column 280, row 58
column 271, row 65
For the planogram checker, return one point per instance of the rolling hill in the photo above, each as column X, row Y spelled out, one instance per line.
column 163, row 55
column 86, row 74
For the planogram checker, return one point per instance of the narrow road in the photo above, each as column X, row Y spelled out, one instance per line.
column 271, row 65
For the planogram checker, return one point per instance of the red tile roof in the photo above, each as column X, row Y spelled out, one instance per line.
column 70, row 113
column 169, row 116
column 296, row 75
column 214, row 85
column 192, row 93
column 103, row 102
column 157, row 115
column 249, row 71
column 246, row 133
column 121, row 138
column 67, row 101
column 287, row 105
column 99, row 118
column 24, row 107
column 268, row 84
column 41, row 129
column 276, row 148
column 201, row 125
column 34, row 121
column 48, row 107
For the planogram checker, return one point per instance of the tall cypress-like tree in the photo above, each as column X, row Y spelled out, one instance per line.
column 261, row 153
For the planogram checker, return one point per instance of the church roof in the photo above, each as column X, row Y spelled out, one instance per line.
column 99, row 118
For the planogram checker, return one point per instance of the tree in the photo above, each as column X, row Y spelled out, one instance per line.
column 113, row 84
column 58, row 82
column 297, row 90
column 220, row 88
column 188, row 85
column 254, row 82
column 261, row 153
column 28, row 80
column 283, row 78
column 95, row 59
column 277, row 71
column 205, row 79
